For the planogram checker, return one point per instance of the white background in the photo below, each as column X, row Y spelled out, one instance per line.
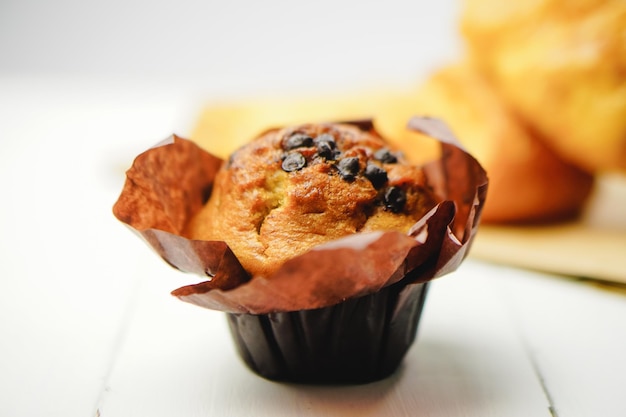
column 259, row 44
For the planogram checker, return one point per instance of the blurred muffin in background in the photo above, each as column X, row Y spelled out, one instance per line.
column 562, row 67
column 529, row 182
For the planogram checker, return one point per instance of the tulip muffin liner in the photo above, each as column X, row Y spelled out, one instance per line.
column 344, row 311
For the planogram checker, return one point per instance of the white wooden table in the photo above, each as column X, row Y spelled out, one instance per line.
column 89, row 328
column 87, row 325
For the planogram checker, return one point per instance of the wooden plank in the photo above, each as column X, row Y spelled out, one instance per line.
column 178, row 360
column 68, row 268
column 576, row 334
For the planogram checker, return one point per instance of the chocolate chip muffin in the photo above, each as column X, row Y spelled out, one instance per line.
column 297, row 187
column 282, row 246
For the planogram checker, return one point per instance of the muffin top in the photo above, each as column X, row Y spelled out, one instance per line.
column 294, row 188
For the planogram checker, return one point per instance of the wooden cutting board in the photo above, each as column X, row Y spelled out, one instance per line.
column 569, row 249
column 592, row 247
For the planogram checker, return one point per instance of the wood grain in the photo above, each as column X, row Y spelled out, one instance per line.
column 468, row 361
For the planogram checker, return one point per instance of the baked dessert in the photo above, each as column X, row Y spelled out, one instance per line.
column 294, row 188
column 560, row 65
column 318, row 241
column 529, row 181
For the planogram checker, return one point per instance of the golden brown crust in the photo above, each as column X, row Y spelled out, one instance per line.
column 269, row 211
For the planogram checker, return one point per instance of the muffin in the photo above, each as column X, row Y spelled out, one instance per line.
column 317, row 240
column 298, row 187
column 516, row 156
column 561, row 67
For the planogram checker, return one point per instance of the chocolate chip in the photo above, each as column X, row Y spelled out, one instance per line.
column 325, row 150
column 293, row 162
column 326, row 146
column 298, row 140
column 376, row 175
column 383, row 155
column 326, row 137
column 348, row 168
column 395, row 199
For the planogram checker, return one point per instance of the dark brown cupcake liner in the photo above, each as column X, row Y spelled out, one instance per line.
column 357, row 341
column 297, row 324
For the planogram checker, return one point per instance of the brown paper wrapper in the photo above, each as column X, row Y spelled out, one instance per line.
column 170, row 182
